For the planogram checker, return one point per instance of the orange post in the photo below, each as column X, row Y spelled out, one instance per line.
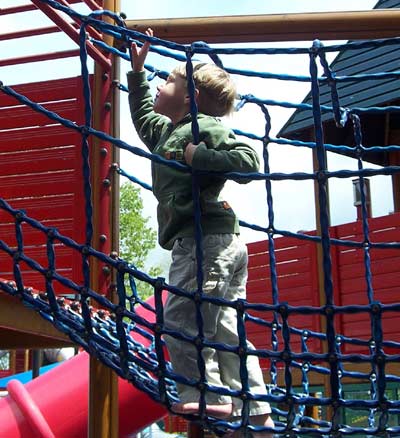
column 103, row 382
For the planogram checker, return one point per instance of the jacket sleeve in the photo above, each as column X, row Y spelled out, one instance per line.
column 220, row 151
column 148, row 124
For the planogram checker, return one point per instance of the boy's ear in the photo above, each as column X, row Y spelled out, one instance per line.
column 196, row 96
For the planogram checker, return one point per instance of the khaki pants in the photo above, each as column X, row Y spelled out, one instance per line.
column 225, row 276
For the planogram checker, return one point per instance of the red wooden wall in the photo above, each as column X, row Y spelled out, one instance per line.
column 41, row 173
column 350, row 283
column 296, row 266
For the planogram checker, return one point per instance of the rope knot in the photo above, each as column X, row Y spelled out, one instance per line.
column 316, row 47
column 332, row 358
column 19, row 216
column 51, row 233
column 85, row 250
column 376, row 308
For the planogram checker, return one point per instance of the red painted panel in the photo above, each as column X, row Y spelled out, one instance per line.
column 298, row 282
column 379, row 281
column 290, row 284
column 37, row 282
column 49, row 210
column 361, row 330
column 42, row 173
column 37, row 137
column 39, row 255
column 263, row 295
column 351, row 257
column 45, row 91
column 31, row 236
column 281, row 256
column 37, row 161
column 291, row 268
column 279, row 242
column 386, row 264
column 374, row 224
column 385, row 276
column 262, row 340
column 257, row 247
column 22, row 117
column 385, row 235
column 43, row 184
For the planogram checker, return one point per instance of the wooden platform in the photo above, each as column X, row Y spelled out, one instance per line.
column 21, row 327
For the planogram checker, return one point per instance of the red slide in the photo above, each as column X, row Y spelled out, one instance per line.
column 55, row 405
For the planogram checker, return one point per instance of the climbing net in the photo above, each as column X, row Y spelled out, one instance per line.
column 112, row 334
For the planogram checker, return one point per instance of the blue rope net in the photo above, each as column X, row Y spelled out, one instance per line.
column 110, row 334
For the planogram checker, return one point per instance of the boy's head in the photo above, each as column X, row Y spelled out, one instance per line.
column 216, row 90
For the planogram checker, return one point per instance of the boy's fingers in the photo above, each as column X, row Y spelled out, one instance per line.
column 134, row 48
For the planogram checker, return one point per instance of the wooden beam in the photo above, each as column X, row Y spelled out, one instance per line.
column 12, row 340
column 21, row 327
column 377, row 23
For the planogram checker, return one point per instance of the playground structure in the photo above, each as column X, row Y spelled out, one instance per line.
column 103, row 392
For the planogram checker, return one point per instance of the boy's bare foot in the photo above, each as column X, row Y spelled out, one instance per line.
column 264, row 420
column 257, row 420
column 218, row 411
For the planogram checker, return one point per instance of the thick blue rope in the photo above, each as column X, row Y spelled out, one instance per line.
column 146, row 367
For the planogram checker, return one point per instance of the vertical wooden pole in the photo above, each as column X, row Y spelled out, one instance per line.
column 103, row 382
column 37, row 359
column 195, row 430
column 13, row 361
column 327, row 388
column 103, row 401
column 313, row 411
column 26, row 360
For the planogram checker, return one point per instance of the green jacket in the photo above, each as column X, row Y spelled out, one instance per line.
column 218, row 151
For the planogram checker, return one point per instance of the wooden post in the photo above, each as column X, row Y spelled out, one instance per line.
column 26, row 360
column 13, row 362
column 195, row 430
column 37, row 360
column 103, row 382
column 326, row 384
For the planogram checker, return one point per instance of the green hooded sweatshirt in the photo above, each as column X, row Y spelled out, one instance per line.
column 218, row 151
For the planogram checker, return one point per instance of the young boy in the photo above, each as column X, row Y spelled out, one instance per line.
column 165, row 128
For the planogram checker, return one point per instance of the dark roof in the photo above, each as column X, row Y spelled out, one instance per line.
column 354, row 94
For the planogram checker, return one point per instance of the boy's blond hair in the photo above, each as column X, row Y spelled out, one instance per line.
column 217, row 91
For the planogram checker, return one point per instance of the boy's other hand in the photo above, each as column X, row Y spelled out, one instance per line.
column 189, row 152
column 138, row 55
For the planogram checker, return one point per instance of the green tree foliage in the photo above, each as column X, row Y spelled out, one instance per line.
column 4, row 360
column 136, row 237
